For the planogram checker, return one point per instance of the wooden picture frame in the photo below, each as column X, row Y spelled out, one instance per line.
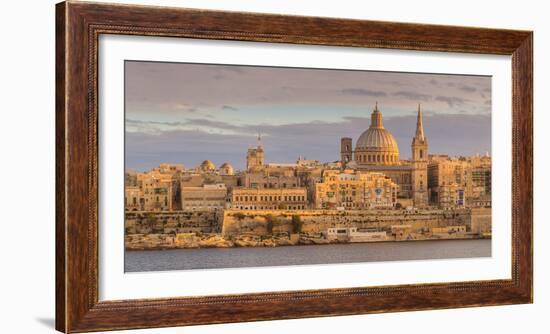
column 78, row 26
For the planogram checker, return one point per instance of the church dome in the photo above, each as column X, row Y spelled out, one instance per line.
column 376, row 145
column 226, row 169
column 207, row 166
column 380, row 139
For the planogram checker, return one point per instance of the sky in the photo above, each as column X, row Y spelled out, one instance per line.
column 187, row 113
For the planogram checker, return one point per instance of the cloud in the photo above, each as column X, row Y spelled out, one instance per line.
column 467, row 89
column 205, row 126
column 413, row 95
column 452, row 101
column 363, row 92
column 213, row 124
column 184, row 107
column 227, row 107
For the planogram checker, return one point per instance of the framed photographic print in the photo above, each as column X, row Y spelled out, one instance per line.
column 222, row 166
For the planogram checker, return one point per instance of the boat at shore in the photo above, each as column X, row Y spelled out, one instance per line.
column 352, row 234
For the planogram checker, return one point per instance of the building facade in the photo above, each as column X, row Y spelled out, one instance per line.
column 158, row 191
column 460, row 182
column 355, row 190
column 269, row 198
column 207, row 197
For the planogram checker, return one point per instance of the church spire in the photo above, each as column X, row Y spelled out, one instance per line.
column 259, row 140
column 419, row 126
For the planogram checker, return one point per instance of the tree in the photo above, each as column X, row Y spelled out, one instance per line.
column 296, row 224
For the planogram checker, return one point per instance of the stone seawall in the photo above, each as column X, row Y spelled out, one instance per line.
column 147, row 222
column 481, row 221
column 314, row 221
column 271, row 228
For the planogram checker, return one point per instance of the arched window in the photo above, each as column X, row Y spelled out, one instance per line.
column 421, row 154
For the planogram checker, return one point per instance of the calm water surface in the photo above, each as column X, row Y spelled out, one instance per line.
column 182, row 259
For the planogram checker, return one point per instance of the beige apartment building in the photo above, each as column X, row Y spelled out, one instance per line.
column 355, row 190
column 460, row 182
column 158, row 191
column 447, row 180
column 207, row 197
column 269, row 198
column 151, row 191
column 133, row 198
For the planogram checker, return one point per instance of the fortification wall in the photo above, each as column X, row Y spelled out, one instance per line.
column 147, row 222
column 481, row 221
column 314, row 221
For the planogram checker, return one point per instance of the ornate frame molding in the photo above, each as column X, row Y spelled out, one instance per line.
column 78, row 27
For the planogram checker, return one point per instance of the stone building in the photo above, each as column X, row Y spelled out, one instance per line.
column 169, row 169
column 269, row 198
column 133, row 198
column 460, row 182
column 161, row 188
column 207, row 197
column 159, row 191
column 447, row 180
column 271, row 176
column 479, row 188
column 377, row 151
column 151, row 191
column 355, row 190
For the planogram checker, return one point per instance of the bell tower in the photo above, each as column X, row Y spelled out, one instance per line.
column 419, row 148
column 255, row 155
column 346, row 151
